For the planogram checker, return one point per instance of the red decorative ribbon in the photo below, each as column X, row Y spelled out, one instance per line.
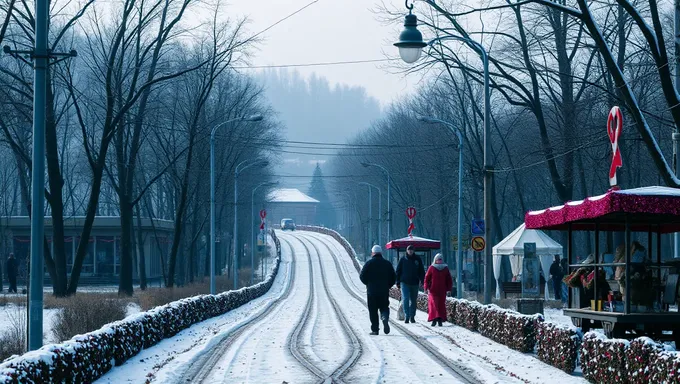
column 411, row 214
column 614, row 128
column 263, row 214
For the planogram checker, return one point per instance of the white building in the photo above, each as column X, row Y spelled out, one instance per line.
column 291, row 203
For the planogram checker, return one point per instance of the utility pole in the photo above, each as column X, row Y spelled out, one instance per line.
column 676, row 132
column 41, row 56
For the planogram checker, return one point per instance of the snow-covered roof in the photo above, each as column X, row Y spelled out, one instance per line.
column 417, row 242
column 513, row 244
column 289, row 195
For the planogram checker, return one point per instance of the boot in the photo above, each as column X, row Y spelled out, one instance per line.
column 406, row 321
column 440, row 322
column 434, row 322
column 413, row 319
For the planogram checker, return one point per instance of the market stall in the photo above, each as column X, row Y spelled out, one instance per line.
column 646, row 287
column 513, row 247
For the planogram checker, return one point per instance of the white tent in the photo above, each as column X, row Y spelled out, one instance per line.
column 513, row 247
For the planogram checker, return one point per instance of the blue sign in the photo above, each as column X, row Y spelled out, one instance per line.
column 478, row 227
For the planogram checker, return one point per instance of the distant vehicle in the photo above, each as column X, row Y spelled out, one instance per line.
column 287, row 224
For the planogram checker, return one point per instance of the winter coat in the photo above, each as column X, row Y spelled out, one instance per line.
column 556, row 270
column 12, row 268
column 410, row 270
column 437, row 282
column 378, row 276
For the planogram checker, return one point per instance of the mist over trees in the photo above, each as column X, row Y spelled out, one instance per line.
column 313, row 110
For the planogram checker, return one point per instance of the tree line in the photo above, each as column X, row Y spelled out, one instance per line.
column 128, row 126
column 556, row 69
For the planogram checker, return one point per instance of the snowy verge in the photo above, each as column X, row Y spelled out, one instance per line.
column 87, row 357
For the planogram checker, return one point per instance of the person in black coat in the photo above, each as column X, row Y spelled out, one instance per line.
column 12, row 267
column 410, row 276
column 557, row 276
column 378, row 276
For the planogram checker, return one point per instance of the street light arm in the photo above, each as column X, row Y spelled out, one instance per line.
column 452, row 127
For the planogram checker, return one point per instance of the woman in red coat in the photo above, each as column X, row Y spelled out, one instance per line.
column 437, row 281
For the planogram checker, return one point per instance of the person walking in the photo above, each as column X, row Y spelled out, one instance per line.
column 438, row 281
column 557, row 276
column 378, row 276
column 12, row 270
column 410, row 275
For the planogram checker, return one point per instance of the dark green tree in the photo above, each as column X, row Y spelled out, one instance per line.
column 325, row 213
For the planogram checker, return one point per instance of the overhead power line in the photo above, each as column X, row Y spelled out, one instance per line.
column 321, row 64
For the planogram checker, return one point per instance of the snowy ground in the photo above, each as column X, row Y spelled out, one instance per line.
column 294, row 331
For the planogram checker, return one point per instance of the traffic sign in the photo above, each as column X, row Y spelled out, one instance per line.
column 465, row 242
column 478, row 227
column 478, row 243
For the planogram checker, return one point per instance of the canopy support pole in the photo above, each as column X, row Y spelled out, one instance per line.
column 626, row 245
column 596, row 295
column 658, row 257
column 569, row 257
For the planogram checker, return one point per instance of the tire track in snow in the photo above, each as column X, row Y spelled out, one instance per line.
column 460, row 372
column 357, row 349
column 201, row 368
column 294, row 342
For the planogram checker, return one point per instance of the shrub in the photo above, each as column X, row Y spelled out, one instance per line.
column 13, row 337
column 466, row 314
column 83, row 313
column 558, row 345
column 603, row 360
column 640, row 358
column 666, row 368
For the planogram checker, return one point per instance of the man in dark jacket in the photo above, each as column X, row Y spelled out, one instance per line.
column 378, row 276
column 557, row 276
column 12, row 270
column 410, row 276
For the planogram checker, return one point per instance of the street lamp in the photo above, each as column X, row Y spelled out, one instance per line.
column 412, row 41
column 212, row 192
column 369, row 185
column 245, row 165
column 459, row 261
column 389, row 213
column 252, row 228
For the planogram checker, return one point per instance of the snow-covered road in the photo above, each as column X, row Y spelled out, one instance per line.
column 313, row 327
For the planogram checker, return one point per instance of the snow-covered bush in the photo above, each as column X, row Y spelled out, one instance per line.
column 520, row 330
column 640, row 358
column 467, row 313
column 558, row 345
column 665, row 367
column 451, row 304
column 87, row 357
column 491, row 323
column 604, row 360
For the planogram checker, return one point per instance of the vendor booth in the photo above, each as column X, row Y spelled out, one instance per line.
column 513, row 247
column 423, row 247
column 639, row 300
